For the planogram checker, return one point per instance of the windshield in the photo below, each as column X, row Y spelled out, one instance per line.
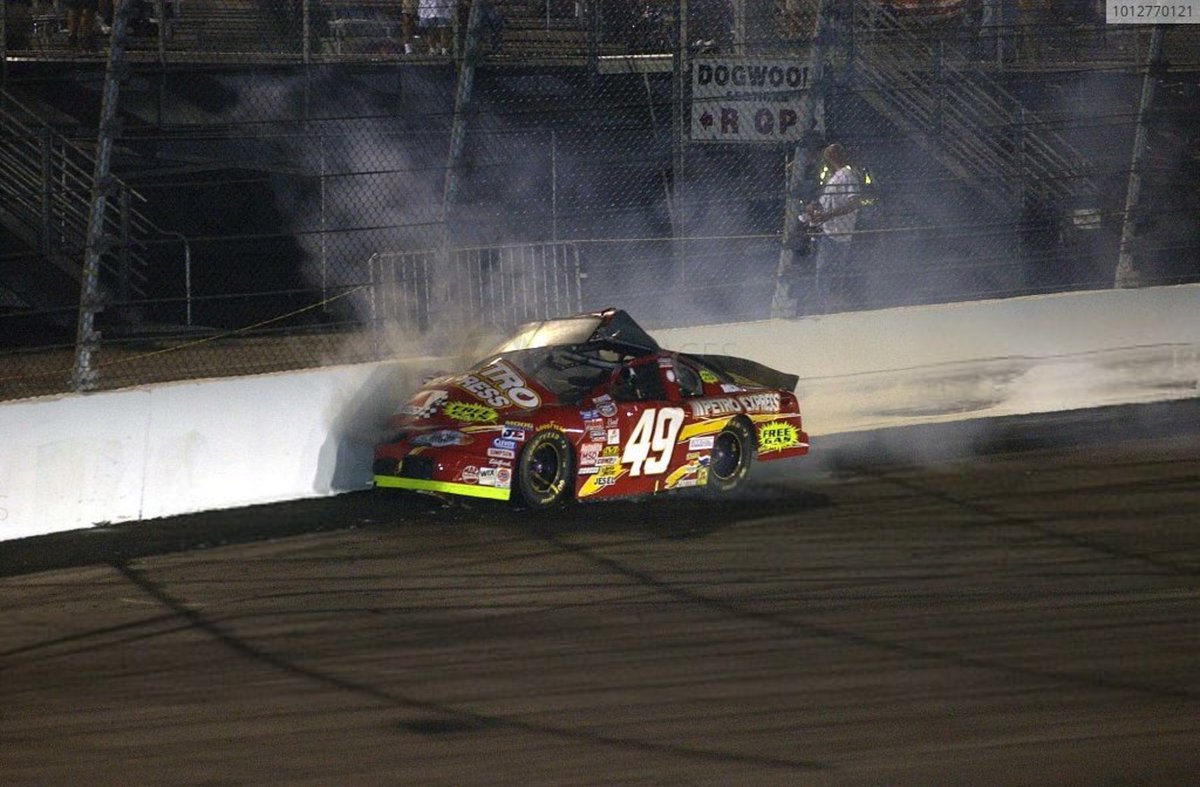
column 569, row 330
column 566, row 372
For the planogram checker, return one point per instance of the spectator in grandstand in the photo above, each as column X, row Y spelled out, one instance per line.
column 408, row 24
column 710, row 25
column 834, row 214
column 1034, row 18
column 104, row 16
column 81, row 18
column 18, row 23
column 997, row 22
column 797, row 19
column 437, row 20
column 491, row 24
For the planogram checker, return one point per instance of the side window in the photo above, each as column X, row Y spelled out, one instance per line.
column 688, row 379
column 638, row 383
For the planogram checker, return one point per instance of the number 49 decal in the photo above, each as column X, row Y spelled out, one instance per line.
column 655, row 433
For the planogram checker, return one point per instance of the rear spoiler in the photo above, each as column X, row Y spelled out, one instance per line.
column 749, row 373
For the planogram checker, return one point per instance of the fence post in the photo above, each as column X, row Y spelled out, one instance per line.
column 87, row 341
column 306, row 31
column 1126, row 274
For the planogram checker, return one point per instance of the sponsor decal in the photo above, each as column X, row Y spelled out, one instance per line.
column 731, row 388
column 665, row 363
column 702, row 476
column 682, row 475
column 469, row 412
column 470, row 474
column 501, row 453
column 777, row 436
column 526, row 425
column 605, row 406
column 512, row 433
column 597, row 434
column 589, row 470
column 499, row 463
column 704, row 443
column 708, row 376
column 589, row 453
column 503, row 477
column 507, row 445
column 487, row 476
column 424, row 404
column 588, row 415
column 612, row 450
column 483, row 391
column 441, row 438
column 731, row 405
column 512, row 385
column 602, row 477
column 614, row 436
column 605, row 461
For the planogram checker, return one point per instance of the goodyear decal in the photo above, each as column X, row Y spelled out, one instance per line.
column 469, row 412
column 777, row 436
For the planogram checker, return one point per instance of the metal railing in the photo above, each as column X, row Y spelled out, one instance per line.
column 46, row 196
column 939, row 95
column 501, row 286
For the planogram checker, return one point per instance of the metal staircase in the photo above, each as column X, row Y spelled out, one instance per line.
column 968, row 122
column 45, row 199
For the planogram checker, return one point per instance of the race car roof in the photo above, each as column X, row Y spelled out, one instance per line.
column 611, row 326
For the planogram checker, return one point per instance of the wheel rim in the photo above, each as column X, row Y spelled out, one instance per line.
column 726, row 456
column 544, row 469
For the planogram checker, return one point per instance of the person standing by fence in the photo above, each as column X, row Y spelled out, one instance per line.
column 835, row 214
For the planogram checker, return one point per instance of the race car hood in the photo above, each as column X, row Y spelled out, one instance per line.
column 486, row 394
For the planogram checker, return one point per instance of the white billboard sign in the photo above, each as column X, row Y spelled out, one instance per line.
column 740, row 99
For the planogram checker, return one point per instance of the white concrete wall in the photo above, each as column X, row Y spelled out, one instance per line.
column 73, row 461
column 904, row 366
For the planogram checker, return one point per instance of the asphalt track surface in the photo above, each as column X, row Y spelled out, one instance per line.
column 1009, row 602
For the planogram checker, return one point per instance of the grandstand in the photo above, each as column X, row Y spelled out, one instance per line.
column 262, row 157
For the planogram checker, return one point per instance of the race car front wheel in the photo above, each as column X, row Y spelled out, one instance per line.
column 544, row 470
column 732, row 454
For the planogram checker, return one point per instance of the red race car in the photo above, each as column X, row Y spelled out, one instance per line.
column 590, row 406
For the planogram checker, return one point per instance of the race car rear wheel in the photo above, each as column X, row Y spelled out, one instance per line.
column 544, row 470
column 732, row 454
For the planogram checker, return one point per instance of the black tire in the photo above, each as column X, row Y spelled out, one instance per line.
column 732, row 454
column 544, row 470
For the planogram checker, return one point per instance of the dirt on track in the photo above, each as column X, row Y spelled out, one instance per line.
column 1004, row 603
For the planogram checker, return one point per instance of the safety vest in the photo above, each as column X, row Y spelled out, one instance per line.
column 866, row 195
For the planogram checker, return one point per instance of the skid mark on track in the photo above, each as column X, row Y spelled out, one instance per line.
column 447, row 718
column 1038, row 528
column 851, row 638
